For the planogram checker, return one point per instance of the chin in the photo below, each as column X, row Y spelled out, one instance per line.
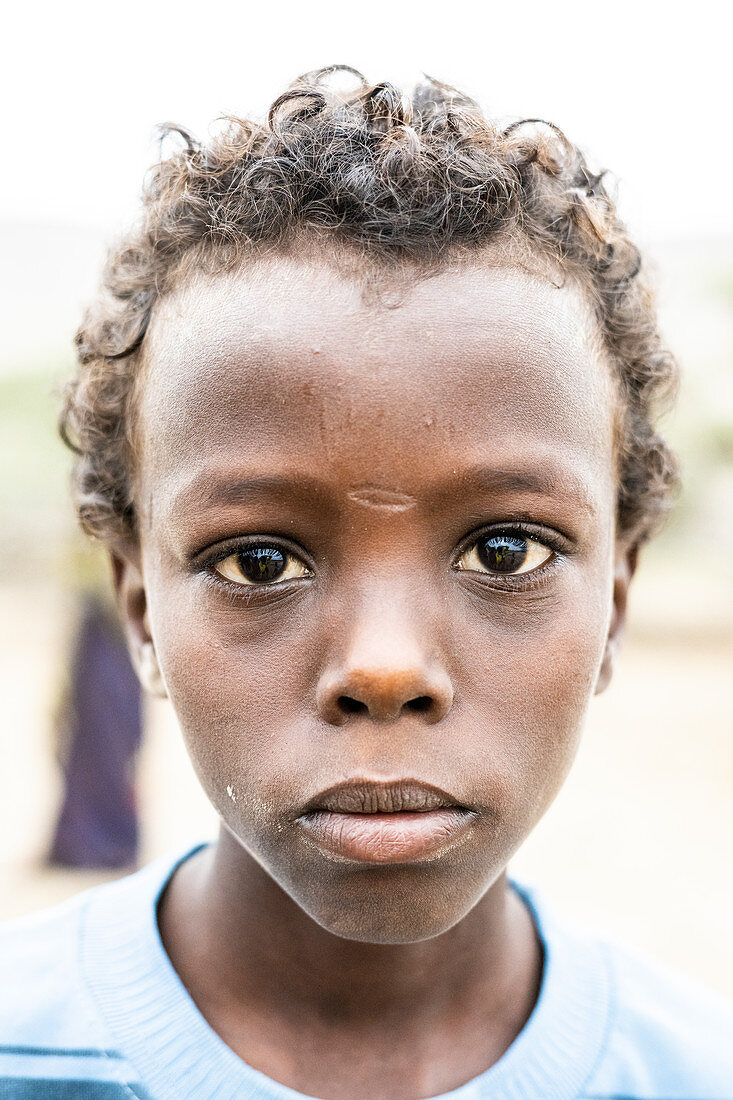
column 401, row 905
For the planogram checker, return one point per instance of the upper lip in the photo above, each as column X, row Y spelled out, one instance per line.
column 365, row 796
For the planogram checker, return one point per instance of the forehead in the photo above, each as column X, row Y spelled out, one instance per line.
column 290, row 363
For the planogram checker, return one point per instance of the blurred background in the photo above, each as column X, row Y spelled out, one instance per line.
column 639, row 841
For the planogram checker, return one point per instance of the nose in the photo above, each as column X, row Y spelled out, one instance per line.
column 384, row 672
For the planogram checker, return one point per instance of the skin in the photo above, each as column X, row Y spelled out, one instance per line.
column 374, row 442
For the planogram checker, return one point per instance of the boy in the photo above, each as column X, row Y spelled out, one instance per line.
column 365, row 418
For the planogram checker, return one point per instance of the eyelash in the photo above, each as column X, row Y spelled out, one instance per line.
column 516, row 582
column 499, row 582
column 206, row 566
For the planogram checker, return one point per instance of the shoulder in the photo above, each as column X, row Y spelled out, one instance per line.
column 50, row 959
column 668, row 1037
column 52, row 1031
column 647, row 1032
column 51, row 1037
column 42, row 1001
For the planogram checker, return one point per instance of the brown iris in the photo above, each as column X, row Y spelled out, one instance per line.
column 502, row 553
column 261, row 564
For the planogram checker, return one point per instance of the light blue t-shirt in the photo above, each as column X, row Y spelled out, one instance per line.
column 92, row 1009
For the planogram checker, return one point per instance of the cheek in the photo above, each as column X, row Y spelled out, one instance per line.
column 236, row 679
column 533, row 676
column 242, row 682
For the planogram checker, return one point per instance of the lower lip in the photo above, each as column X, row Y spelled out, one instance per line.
column 387, row 838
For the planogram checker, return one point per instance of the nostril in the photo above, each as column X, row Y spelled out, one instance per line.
column 420, row 704
column 351, row 706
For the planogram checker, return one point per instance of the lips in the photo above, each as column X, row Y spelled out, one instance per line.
column 404, row 821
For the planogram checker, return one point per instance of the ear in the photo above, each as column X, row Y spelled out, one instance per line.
column 624, row 569
column 129, row 585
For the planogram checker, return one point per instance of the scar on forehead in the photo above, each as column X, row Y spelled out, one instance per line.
column 384, row 499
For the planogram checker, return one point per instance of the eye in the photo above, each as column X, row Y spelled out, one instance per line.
column 261, row 565
column 508, row 552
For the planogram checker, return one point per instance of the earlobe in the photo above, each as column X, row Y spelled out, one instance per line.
column 626, row 561
column 148, row 670
column 129, row 585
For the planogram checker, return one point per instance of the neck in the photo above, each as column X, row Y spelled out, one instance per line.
column 235, row 936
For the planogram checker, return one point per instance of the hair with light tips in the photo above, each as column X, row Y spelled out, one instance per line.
column 404, row 179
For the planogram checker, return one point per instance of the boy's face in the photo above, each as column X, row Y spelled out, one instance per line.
column 377, row 545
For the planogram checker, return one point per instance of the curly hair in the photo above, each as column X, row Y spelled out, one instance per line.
column 413, row 179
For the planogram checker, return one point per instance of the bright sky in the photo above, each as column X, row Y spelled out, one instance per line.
column 643, row 86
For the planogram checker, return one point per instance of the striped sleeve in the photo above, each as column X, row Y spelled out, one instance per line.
column 71, row 1073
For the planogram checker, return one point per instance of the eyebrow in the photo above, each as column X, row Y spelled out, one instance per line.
column 210, row 488
column 550, row 480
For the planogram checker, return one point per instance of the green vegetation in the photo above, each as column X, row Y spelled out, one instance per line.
column 35, row 513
